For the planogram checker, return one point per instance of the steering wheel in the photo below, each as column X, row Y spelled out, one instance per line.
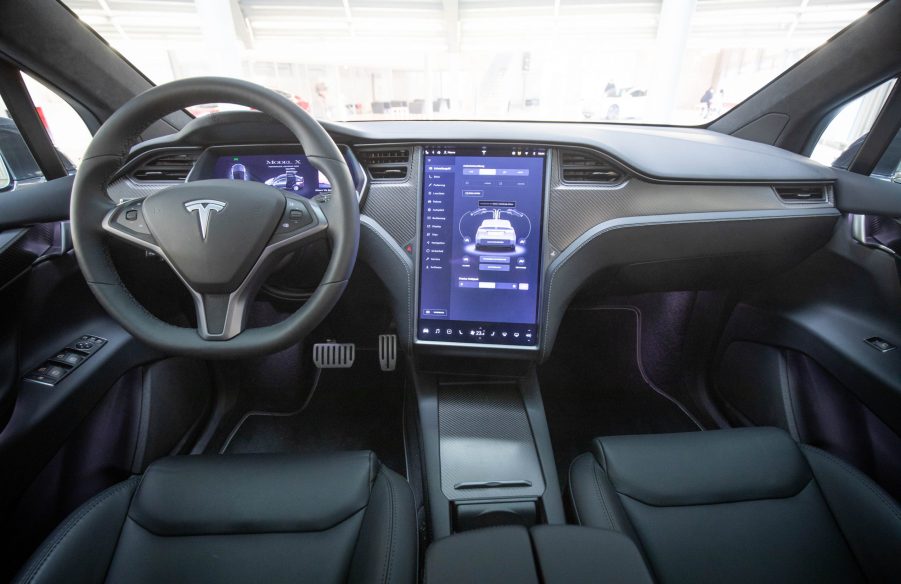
column 221, row 237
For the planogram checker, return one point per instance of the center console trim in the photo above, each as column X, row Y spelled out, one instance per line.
column 440, row 509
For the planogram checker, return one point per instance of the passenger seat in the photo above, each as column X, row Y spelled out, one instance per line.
column 741, row 505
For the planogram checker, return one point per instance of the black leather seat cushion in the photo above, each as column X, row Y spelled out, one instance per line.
column 240, row 518
column 743, row 505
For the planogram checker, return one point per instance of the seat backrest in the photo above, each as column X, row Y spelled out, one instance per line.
column 745, row 505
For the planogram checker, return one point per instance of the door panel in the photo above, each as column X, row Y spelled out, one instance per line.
column 810, row 328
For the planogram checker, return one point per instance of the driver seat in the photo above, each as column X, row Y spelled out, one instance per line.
column 240, row 518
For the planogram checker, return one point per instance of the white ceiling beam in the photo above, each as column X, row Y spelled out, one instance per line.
column 348, row 15
column 104, row 6
column 452, row 24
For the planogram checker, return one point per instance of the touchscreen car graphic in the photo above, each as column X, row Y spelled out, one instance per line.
column 495, row 234
column 288, row 181
column 238, row 172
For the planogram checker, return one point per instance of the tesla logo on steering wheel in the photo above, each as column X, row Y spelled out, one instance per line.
column 204, row 207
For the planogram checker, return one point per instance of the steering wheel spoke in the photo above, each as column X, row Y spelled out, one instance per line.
column 126, row 221
column 302, row 220
column 220, row 316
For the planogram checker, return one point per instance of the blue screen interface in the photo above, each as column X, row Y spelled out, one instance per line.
column 480, row 244
column 289, row 172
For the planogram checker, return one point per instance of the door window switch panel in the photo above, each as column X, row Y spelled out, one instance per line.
column 54, row 369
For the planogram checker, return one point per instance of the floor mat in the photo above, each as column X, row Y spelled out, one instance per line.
column 592, row 385
column 351, row 409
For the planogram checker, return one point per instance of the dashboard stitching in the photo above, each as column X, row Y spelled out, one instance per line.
column 403, row 260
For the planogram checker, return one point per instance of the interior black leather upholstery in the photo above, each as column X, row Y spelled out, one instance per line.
column 240, row 518
column 742, row 505
column 548, row 554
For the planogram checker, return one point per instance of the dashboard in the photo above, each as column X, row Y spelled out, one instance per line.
column 484, row 233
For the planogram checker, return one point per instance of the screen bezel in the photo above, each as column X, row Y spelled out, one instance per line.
column 543, row 256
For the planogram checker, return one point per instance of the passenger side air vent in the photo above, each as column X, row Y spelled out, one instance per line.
column 802, row 193
column 585, row 168
column 386, row 164
column 166, row 168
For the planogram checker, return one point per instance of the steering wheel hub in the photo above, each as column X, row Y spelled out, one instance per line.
column 213, row 232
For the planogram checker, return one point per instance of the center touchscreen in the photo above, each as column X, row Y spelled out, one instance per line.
column 480, row 244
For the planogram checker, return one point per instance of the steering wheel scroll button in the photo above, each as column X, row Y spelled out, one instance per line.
column 131, row 217
column 295, row 218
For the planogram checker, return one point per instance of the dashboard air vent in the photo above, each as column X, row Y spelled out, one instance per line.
column 166, row 168
column 386, row 164
column 585, row 168
column 802, row 193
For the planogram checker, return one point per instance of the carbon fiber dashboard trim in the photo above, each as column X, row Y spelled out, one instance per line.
column 392, row 204
column 125, row 189
column 485, row 436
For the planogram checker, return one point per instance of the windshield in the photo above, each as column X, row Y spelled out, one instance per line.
column 679, row 62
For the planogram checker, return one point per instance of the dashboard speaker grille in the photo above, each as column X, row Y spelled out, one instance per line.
column 166, row 168
column 585, row 168
column 389, row 164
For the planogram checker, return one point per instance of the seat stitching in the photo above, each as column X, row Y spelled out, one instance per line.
column 572, row 495
column 597, row 484
column 856, row 475
column 389, row 553
column 72, row 524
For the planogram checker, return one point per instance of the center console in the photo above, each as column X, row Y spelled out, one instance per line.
column 479, row 263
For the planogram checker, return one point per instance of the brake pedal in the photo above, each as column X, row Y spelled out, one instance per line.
column 388, row 352
column 334, row 355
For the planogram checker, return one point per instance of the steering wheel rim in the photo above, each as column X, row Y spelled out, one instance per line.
column 94, row 219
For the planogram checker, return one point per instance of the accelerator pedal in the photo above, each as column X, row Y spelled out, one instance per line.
column 334, row 355
column 388, row 352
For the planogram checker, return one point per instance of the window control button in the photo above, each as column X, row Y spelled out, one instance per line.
column 68, row 357
column 48, row 373
column 880, row 344
column 55, row 372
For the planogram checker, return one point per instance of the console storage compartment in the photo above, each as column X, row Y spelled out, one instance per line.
column 548, row 554
column 486, row 452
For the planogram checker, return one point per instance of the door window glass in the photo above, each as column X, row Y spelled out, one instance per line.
column 18, row 163
column 67, row 130
column 848, row 129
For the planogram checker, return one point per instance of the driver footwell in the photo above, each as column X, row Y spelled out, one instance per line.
column 360, row 408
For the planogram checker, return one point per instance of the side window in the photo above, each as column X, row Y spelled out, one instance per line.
column 67, row 131
column 18, row 165
column 5, row 180
column 848, row 129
